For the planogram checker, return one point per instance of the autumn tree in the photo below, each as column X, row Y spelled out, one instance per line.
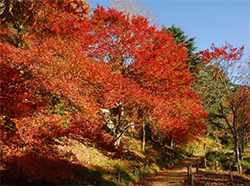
column 170, row 86
column 148, row 60
column 222, row 89
column 118, row 41
column 47, row 64
column 93, row 63
column 239, row 104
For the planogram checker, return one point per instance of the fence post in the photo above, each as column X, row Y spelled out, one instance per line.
column 118, row 177
column 216, row 165
column 192, row 180
column 189, row 169
column 197, row 166
column 231, row 175
column 188, row 172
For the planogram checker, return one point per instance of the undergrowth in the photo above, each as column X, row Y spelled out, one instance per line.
column 79, row 163
column 123, row 167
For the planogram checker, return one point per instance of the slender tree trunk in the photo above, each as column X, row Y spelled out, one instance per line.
column 234, row 131
column 119, row 125
column 236, row 148
column 242, row 146
column 143, row 137
column 172, row 143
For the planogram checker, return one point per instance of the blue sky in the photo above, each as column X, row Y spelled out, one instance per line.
column 209, row 21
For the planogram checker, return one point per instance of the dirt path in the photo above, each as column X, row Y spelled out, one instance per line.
column 174, row 176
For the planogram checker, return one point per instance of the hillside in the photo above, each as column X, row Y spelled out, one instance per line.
column 85, row 165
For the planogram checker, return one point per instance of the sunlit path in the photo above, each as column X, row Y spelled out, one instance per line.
column 174, row 176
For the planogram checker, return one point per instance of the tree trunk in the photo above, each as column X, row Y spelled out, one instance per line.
column 242, row 147
column 236, row 148
column 143, row 137
column 119, row 124
column 118, row 140
column 172, row 143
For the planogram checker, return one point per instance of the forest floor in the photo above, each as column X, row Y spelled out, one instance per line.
column 80, row 163
column 177, row 176
column 83, row 164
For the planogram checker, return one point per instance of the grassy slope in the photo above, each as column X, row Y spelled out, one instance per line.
column 103, row 167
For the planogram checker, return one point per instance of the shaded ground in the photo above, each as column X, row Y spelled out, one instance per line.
column 177, row 176
column 33, row 170
column 70, row 162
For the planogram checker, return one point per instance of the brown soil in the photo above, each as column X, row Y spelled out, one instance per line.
column 174, row 176
column 177, row 176
column 218, row 178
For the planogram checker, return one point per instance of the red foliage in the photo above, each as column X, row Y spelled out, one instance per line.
column 95, row 64
column 152, row 65
column 91, row 64
column 226, row 53
column 17, row 93
column 57, row 63
column 54, row 63
column 240, row 100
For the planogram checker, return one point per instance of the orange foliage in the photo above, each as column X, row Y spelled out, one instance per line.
column 95, row 64
column 92, row 63
column 226, row 53
column 152, row 65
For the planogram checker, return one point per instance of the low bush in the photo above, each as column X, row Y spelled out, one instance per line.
column 213, row 156
column 245, row 163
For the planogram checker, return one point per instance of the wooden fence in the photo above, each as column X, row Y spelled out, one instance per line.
column 191, row 176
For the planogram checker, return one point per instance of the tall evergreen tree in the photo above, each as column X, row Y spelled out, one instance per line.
column 182, row 39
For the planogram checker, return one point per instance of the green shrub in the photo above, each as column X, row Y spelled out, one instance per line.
column 245, row 163
column 202, row 145
column 213, row 156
